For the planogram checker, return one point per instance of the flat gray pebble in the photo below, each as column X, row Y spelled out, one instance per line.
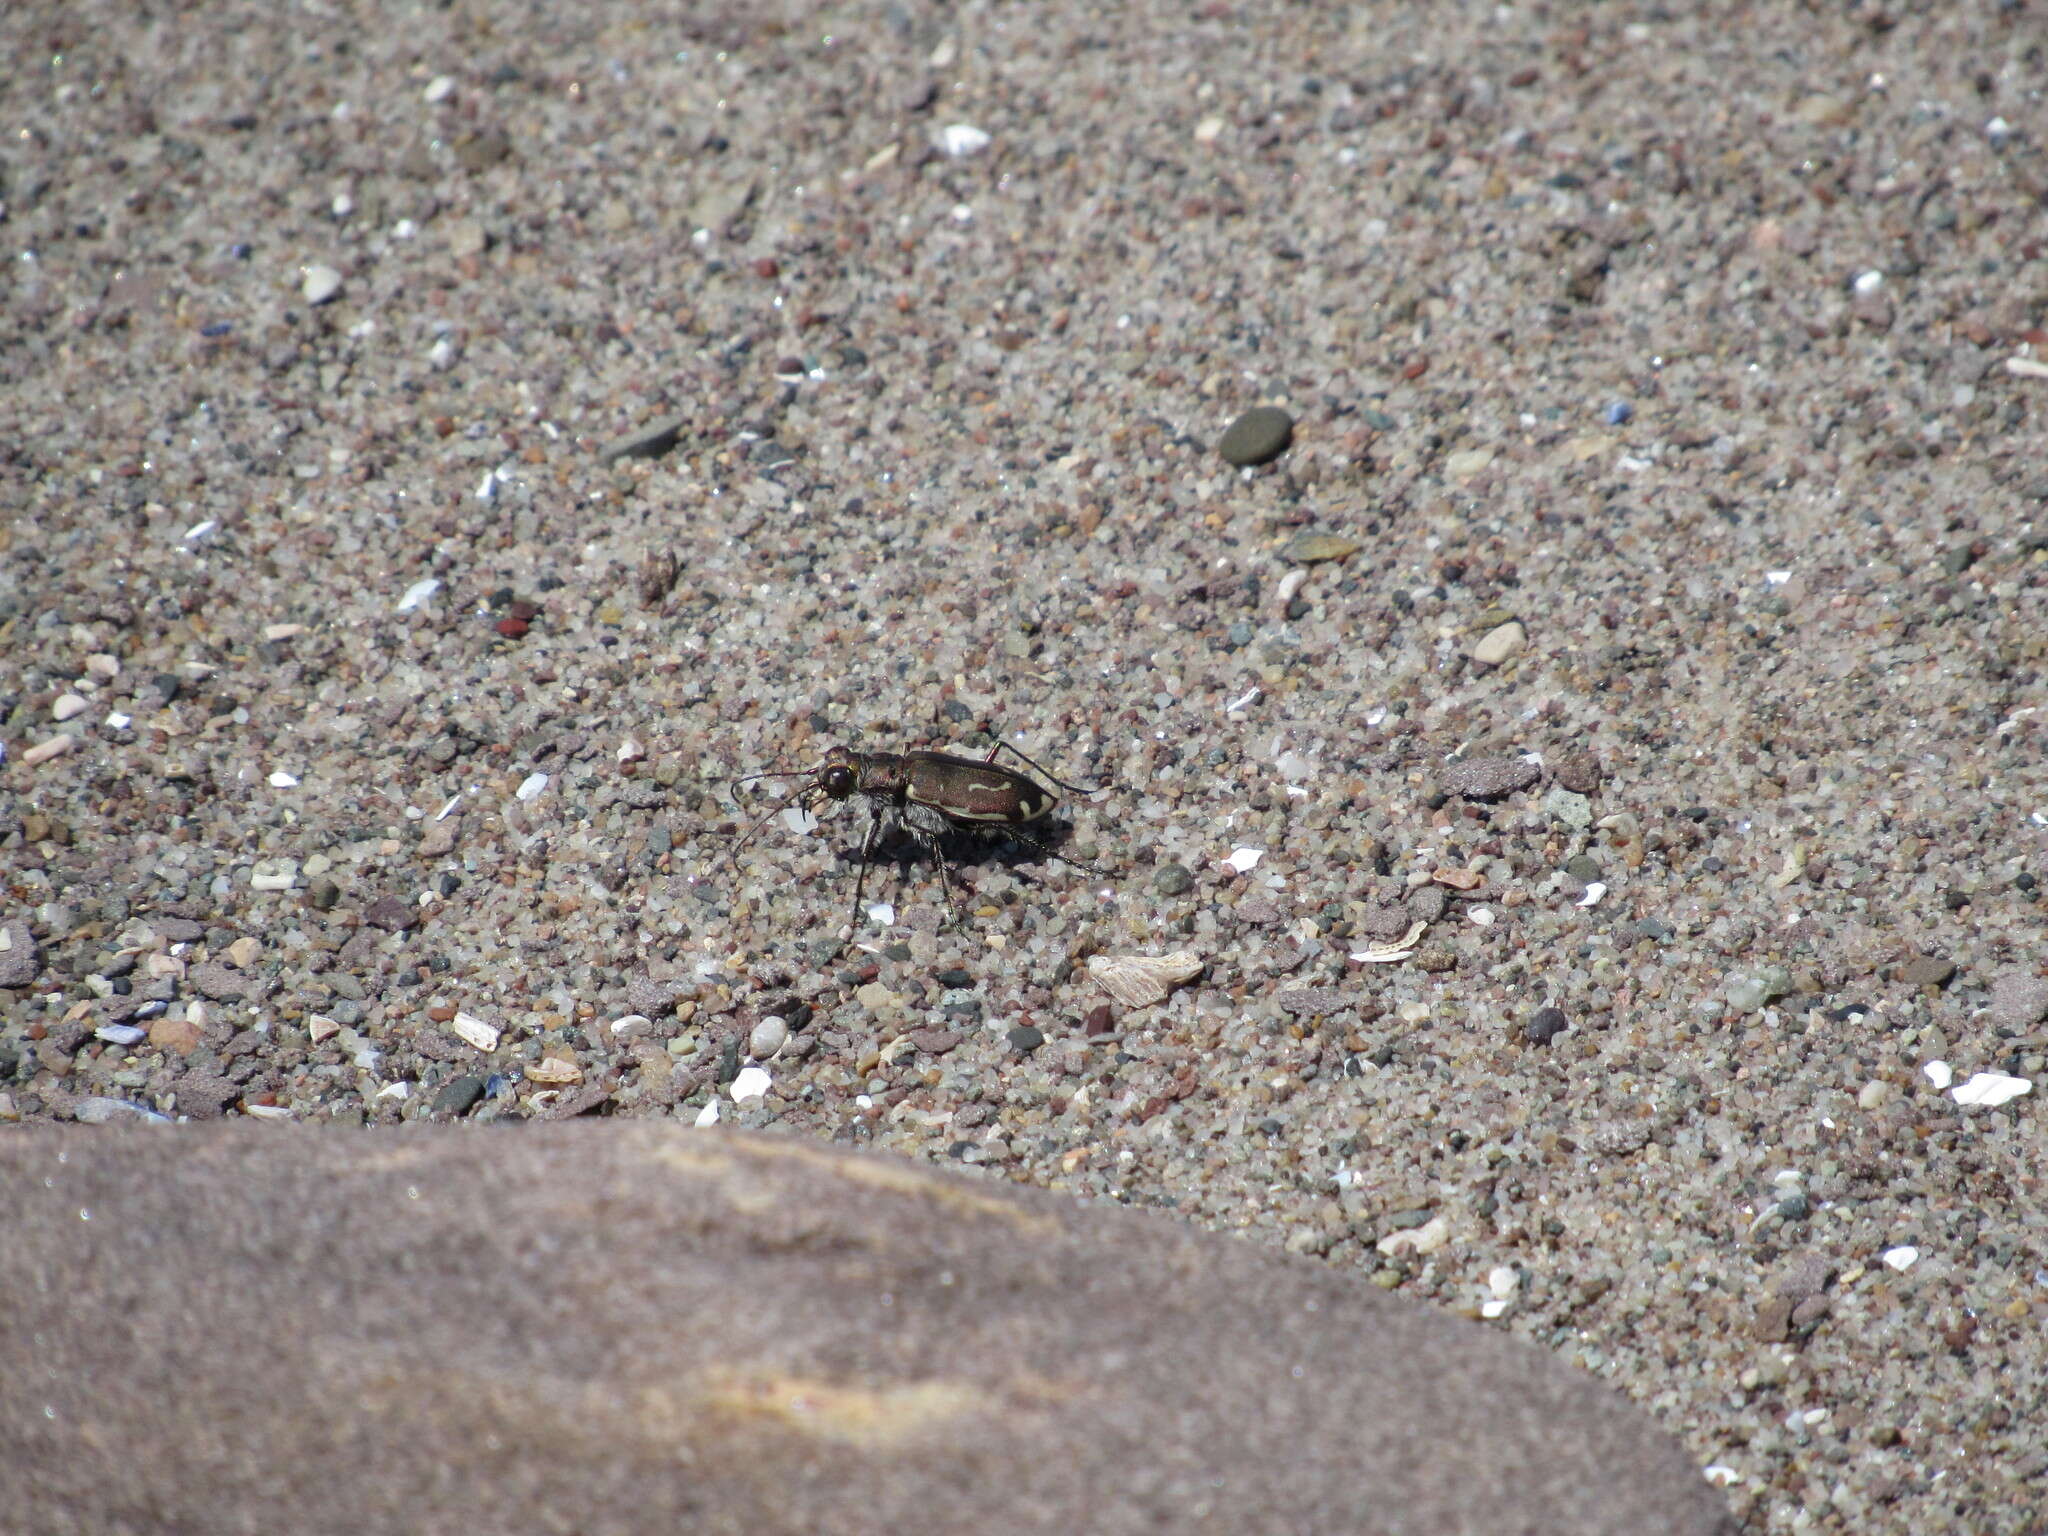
column 458, row 1096
column 1488, row 778
column 2019, row 1000
column 1258, row 436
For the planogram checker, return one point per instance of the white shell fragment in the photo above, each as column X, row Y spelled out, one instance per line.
column 531, row 786
column 1387, row 954
column 961, row 139
column 1594, row 891
column 1938, row 1073
column 479, row 1034
column 1137, row 981
column 283, row 780
column 418, row 593
column 319, row 283
column 750, row 1083
column 1245, row 860
column 1503, row 1282
column 273, row 874
column 1901, row 1258
column 1991, row 1089
column 708, row 1115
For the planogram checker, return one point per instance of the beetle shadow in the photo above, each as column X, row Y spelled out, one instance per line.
column 960, row 849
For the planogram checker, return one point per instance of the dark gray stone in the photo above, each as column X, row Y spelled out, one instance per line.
column 651, row 441
column 21, row 961
column 1488, row 778
column 1259, row 436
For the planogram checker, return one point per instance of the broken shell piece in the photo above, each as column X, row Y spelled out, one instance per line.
column 1459, row 879
column 553, row 1069
column 475, row 1031
column 1991, row 1089
column 1138, row 981
column 1386, row 954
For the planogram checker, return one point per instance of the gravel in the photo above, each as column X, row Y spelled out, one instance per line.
column 398, row 664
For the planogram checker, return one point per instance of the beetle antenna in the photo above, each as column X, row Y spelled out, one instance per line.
column 804, row 801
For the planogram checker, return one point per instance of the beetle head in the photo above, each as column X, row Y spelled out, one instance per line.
column 836, row 776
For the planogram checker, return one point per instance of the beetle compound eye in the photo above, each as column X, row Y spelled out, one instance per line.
column 838, row 781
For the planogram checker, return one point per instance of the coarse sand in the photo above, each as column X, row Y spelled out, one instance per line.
column 445, row 446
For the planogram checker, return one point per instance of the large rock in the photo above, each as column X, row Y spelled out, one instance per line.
column 609, row 1329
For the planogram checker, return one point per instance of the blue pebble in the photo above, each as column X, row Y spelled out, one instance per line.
column 1618, row 412
column 217, row 328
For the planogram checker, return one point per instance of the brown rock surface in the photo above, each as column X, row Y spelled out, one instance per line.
column 637, row 1328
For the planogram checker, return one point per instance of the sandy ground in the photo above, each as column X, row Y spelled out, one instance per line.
column 1650, row 602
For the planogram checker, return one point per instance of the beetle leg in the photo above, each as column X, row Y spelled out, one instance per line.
column 929, row 827
column 867, row 849
column 1079, row 789
column 1031, row 842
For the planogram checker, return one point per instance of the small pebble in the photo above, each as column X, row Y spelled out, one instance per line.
column 458, row 1096
column 1927, row 971
column 651, row 441
column 1617, row 413
column 1488, row 778
column 1259, row 436
column 1314, row 548
column 1545, row 1025
column 1499, row 643
column 68, row 705
column 2019, row 1000
column 1026, row 1038
column 768, row 1037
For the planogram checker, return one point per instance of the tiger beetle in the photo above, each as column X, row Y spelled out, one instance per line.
column 928, row 793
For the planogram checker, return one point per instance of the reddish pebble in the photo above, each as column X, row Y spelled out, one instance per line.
column 766, row 267
column 511, row 629
column 1099, row 1021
